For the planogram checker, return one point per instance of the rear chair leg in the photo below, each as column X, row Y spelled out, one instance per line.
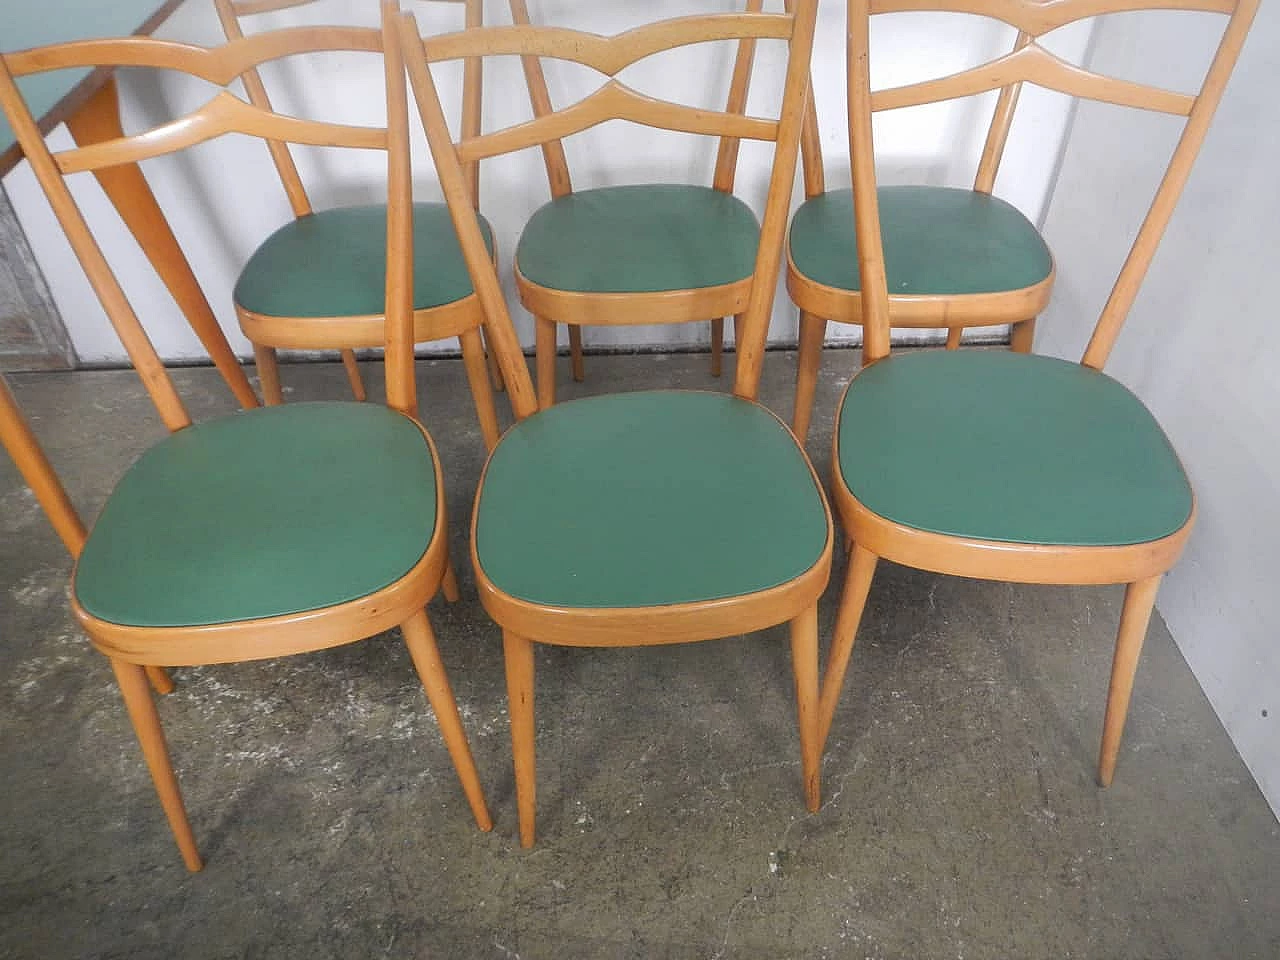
column 853, row 600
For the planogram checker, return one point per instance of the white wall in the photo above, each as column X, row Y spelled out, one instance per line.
column 1200, row 346
column 223, row 198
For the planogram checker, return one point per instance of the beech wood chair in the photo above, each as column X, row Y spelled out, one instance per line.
column 637, row 253
column 1055, row 473
column 277, row 530
column 714, row 523
column 316, row 283
column 956, row 258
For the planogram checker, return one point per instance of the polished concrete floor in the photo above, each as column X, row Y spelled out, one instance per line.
column 960, row 816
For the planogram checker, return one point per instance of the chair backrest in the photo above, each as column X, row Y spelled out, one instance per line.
column 230, row 14
column 1029, row 62
column 726, row 167
column 224, row 113
column 616, row 101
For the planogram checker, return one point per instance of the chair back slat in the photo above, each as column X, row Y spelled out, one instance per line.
column 1038, row 17
column 223, row 114
column 1031, row 63
column 616, row 101
column 607, row 55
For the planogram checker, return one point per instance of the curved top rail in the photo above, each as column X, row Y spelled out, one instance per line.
column 1036, row 65
column 608, row 55
column 219, row 65
column 225, row 113
column 1038, row 17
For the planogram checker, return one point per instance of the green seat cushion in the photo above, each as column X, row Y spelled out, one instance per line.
column 645, row 499
column 1002, row 446
column 267, row 512
column 937, row 241
column 639, row 239
column 334, row 264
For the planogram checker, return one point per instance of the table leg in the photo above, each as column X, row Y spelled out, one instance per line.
column 127, row 189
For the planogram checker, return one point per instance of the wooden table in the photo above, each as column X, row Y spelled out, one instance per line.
column 87, row 102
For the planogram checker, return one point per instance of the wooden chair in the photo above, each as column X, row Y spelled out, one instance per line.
column 1010, row 466
column 638, row 253
column 956, row 258
column 706, row 518
column 277, row 530
column 316, row 283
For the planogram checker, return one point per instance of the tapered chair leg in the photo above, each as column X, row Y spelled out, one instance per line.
column 954, row 336
column 264, row 358
column 161, row 682
column 545, row 361
column 353, row 375
column 518, row 654
column 1139, row 601
column 146, row 725
column 717, row 346
column 575, row 353
column 421, row 642
column 804, row 664
column 813, row 331
column 853, row 600
column 481, row 388
column 1021, row 336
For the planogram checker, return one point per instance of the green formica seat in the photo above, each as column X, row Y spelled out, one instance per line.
column 938, row 241
column 647, row 499
column 268, row 512
column 644, row 238
column 1001, row 446
column 334, row 264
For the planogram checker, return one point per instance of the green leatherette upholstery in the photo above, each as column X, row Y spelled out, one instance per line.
column 334, row 264
column 1002, row 446
column 639, row 239
column 267, row 512
column 645, row 499
column 937, row 240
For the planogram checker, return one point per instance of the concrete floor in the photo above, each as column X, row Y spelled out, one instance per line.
column 961, row 817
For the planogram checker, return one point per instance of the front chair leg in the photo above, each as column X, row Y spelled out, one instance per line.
column 518, row 654
column 426, row 659
column 146, row 725
column 1021, row 336
column 853, row 600
column 804, row 664
column 954, row 336
column 264, row 358
column 1139, row 601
